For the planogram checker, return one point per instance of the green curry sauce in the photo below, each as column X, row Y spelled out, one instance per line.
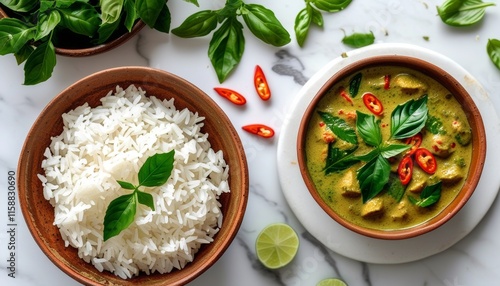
column 446, row 135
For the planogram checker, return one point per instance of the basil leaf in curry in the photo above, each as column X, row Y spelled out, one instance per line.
column 493, row 49
column 372, row 177
column 462, row 12
column 338, row 160
column 392, row 150
column 339, row 127
column 429, row 196
column 395, row 188
column 354, row 84
column 434, row 125
column 409, row 118
column 369, row 129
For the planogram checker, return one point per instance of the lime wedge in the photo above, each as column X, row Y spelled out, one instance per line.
column 276, row 245
column 331, row 282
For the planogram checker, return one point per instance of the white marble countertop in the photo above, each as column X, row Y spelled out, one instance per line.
column 472, row 261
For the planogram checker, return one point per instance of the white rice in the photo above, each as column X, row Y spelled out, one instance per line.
column 111, row 142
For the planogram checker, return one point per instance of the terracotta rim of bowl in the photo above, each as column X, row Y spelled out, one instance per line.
column 473, row 116
column 84, row 52
column 234, row 203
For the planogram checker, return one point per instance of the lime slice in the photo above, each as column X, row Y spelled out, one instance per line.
column 331, row 282
column 276, row 245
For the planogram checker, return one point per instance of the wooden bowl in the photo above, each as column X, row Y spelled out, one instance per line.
column 79, row 46
column 39, row 214
column 478, row 143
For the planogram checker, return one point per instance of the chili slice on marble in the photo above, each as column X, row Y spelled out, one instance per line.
column 405, row 169
column 261, row 85
column 373, row 103
column 260, row 130
column 231, row 95
column 425, row 160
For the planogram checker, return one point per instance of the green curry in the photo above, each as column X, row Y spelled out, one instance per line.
column 388, row 147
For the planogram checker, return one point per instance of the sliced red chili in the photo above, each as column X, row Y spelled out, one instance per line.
column 231, row 95
column 425, row 160
column 373, row 103
column 405, row 170
column 415, row 142
column 260, row 130
column 387, row 81
column 261, row 85
column 346, row 96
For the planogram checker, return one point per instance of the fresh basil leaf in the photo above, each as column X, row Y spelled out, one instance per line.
column 163, row 21
column 106, row 30
column 354, row 84
column 462, row 12
column 338, row 159
column 126, row 185
column 429, row 196
column 493, row 49
column 40, row 64
column 393, row 150
column 195, row 2
column 264, row 25
column 434, row 125
column 317, row 17
column 131, row 14
column 373, row 176
column 111, row 10
column 368, row 128
column 156, row 170
column 45, row 6
column 149, row 10
column 339, row 127
column 302, row 24
column 331, row 5
column 47, row 23
column 197, row 25
column 81, row 18
column 145, row 199
column 14, row 34
column 226, row 47
column 369, row 156
column 119, row 215
column 395, row 189
column 20, row 5
column 409, row 118
column 358, row 40
column 23, row 54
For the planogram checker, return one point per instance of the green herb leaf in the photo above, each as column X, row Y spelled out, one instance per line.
column 393, row 150
column 20, row 5
column 164, row 19
column 462, row 12
column 354, row 84
column 395, row 188
column 317, row 17
column 372, row 177
column 14, row 34
column 23, row 54
column 195, row 2
column 339, row 127
column 40, row 64
column 105, row 31
column 369, row 156
column 131, row 14
column 429, row 196
column 126, row 185
column 157, row 169
column 434, row 125
column 409, row 118
column 80, row 18
column 111, row 10
column 331, row 5
column 358, row 40
column 493, row 49
column 47, row 23
column 302, row 24
column 338, row 160
column 368, row 128
column 145, row 199
column 119, row 215
column 264, row 25
column 197, row 25
column 149, row 10
column 226, row 47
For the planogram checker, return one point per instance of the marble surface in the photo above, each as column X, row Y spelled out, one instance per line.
column 471, row 261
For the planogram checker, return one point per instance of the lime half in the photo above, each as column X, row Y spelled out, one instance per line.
column 331, row 282
column 276, row 245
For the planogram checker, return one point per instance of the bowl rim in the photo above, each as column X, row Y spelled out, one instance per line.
column 226, row 233
column 474, row 118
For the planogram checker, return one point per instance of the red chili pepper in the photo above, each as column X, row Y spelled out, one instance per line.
column 426, row 160
column 346, row 96
column 261, row 85
column 415, row 142
column 405, row 170
column 372, row 103
column 387, row 81
column 259, row 129
column 231, row 95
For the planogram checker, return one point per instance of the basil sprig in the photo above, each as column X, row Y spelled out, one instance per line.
column 311, row 14
column 121, row 211
column 493, row 49
column 462, row 12
column 429, row 196
column 339, row 127
column 228, row 42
